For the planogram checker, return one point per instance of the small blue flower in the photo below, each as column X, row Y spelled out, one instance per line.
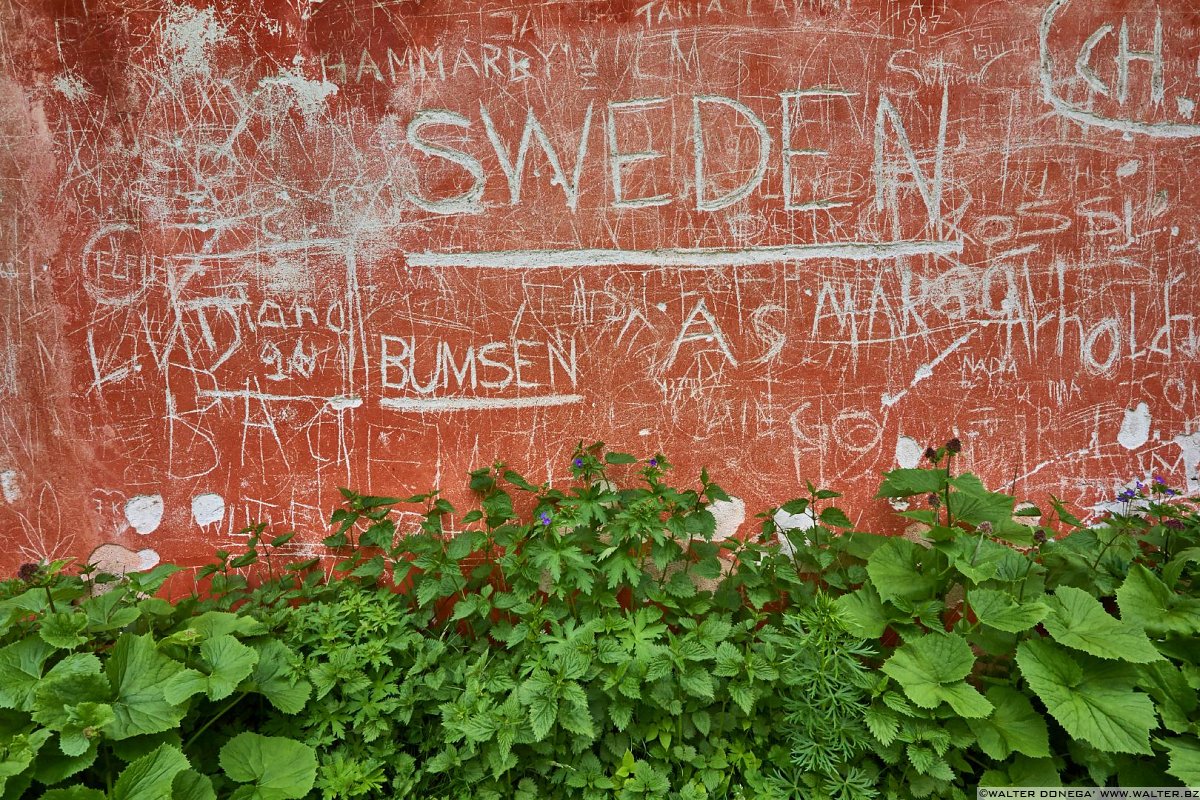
column 1171, row 492
column 654, row 462
column 544, row 517
column 1126, row 495
column 579, row 462
column 1140, row 486
column 1159, row 480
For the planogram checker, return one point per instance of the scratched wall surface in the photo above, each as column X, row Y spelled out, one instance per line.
column 254, row 251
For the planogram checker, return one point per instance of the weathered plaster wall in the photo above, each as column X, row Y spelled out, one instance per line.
column 254, row 251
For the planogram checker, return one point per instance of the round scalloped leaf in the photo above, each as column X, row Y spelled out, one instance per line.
column 1077, row 620
column 1092, row 699
column 277, row 768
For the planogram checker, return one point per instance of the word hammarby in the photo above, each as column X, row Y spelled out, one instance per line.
column 448, row 137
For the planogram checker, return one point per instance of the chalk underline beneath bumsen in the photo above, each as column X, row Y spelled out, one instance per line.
column 695, row 257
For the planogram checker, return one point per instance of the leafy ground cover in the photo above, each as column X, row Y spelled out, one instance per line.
column 593, row 640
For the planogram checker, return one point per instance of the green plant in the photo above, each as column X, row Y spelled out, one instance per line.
column 109, row 692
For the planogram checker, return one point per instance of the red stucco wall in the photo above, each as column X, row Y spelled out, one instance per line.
column 254, row 251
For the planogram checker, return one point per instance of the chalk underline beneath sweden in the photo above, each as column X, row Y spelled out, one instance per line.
column 695, row 257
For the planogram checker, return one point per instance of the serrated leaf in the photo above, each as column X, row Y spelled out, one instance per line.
column 20, row 670
column 230, row 662
column 882, row 723
column 999, row 610
column 74, row 793
column 63, row 630
column 1184, row 754
column 191, row 785
column 895, row 571
column 277, row 768
column 184, row 684
column 697, row 682
column 138, row 671
column 743, row 695
column 54, row 766
column 914, row 481
column 1077, row 620
column 863, row 612
column 931, row 670
column 1148, row 602
column 835, row 518
column 1096, row 704
column 1013, row 727
column 151, row 776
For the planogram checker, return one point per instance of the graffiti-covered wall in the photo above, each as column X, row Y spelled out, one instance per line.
column 255, row 250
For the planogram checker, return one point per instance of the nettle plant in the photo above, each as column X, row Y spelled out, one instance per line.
column 1023, row 655
column 589, row 641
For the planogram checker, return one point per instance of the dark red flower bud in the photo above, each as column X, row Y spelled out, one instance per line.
column 954, row 446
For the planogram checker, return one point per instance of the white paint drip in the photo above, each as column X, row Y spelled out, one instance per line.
column 908, row 452
column 310, row 96
column 9, row 485
column 1135, row 428
column 208, row 508
column 730, row 514
column 187, row 39
column 144, row 512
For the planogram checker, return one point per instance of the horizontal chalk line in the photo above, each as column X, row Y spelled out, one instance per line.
column 430, row 404
column 684, row 256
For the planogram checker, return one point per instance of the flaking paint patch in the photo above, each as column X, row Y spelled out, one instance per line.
column 1135, row 427
column 908, row 452
column 730, row 514
column 208, row 508
column 1190, row 445
column 72, row 87
column 310, row 96
column 187, row 40
column 144, row 512
column 9, row 485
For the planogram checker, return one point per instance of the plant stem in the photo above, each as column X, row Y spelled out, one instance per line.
column 213, row 719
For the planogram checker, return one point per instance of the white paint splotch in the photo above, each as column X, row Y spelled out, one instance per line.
column 1135, row 427
column 729, row 514
column 188, row 37
column 208, row 508
column 908, row 452
column 10, row 486
column 144, row 512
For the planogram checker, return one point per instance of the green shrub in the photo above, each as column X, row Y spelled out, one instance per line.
column 594, row 641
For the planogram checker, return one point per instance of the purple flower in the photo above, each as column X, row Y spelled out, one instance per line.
column 1126, row 495
column 28, row 572
column 1159, row 480
column 654, row 462
column 1171, row 492
column 544, row 517
column 1174, row 524
column 579, row 462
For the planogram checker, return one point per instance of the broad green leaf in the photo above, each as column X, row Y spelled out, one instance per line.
column 276, row 767
column 64, row 629
column 696, row 681
column 908, row 482
column 1077, row 620
column 138, row 671
column 20, row 670
column 151, row 776
column 110, row 611
column 191, row 785
column 84, row 724
column 931, row 670
column 274, row 678
column 1184, row 753
column 863, row 613
column 211, row 624
column 184, row 684
column 895, row 570
column 54, row 766
column 999, row 610
column 1013, row 726
column 75, row 679
column 1175, row 567
column 16, row 756
column 882, row 723
column 1092, row 699
column 1169, row 687
column 230, row 662
column 1146, row 601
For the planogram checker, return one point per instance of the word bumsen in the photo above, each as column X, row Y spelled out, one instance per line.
column 457, row 141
